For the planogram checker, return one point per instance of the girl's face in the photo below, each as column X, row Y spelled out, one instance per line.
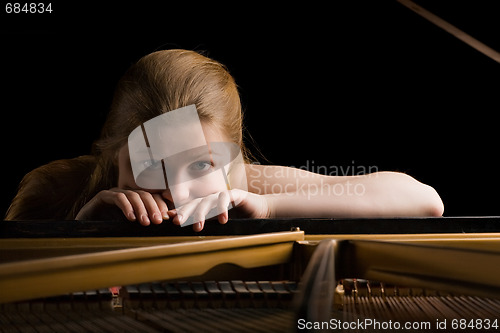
column 184, row 176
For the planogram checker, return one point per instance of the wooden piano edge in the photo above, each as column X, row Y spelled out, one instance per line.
column 311, row 226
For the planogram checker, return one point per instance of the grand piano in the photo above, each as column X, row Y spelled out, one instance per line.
column 249, row 275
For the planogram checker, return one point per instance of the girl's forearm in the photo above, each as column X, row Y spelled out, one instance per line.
column 383, row 194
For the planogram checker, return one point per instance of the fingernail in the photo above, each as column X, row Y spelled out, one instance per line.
column 145, row 219
column 165, row 216
column 157, row 217
column 131, row 216
column 180, row 218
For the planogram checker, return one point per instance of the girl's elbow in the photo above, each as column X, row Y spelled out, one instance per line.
column 436, row 207
column 427, row 200
column 432, row 204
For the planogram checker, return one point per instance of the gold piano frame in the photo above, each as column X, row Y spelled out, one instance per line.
column 467, row 263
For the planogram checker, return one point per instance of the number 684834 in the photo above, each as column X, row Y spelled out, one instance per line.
column 28, row 8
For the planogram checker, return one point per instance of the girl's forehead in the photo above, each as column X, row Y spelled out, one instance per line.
column 170, row 133
column 214, row 133
column 174, row 132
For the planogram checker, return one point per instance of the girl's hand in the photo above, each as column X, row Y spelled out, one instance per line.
column 146, row 207
column 136, row 205
column 245, row 204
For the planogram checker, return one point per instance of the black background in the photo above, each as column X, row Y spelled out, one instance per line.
column 364, row 83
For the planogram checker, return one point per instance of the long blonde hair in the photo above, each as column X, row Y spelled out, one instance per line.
column 160, row 82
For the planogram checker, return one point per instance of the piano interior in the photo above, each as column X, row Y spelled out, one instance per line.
column 284, row 276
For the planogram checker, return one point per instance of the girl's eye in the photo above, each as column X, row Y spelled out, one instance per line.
column 201, row 166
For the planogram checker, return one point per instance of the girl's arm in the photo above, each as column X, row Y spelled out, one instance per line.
column 275, row 191
column 295, row 193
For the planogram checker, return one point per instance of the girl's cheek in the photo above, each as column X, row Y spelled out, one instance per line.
column 211, row 184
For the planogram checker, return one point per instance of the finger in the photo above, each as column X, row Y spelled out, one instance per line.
column 121, row 201
column 162, row 206
column 203, row 208
column 198, row 226
column 182, row 213
column 153, row 212
column 222, row 203
column 139, row 208
column 172, row 213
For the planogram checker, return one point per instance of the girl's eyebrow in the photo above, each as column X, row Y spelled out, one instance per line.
column 206, row 154
column 189, row 155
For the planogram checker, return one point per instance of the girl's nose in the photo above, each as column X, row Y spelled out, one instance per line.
column 177, row 194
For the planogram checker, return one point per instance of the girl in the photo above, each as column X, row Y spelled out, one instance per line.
column 103, row 186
